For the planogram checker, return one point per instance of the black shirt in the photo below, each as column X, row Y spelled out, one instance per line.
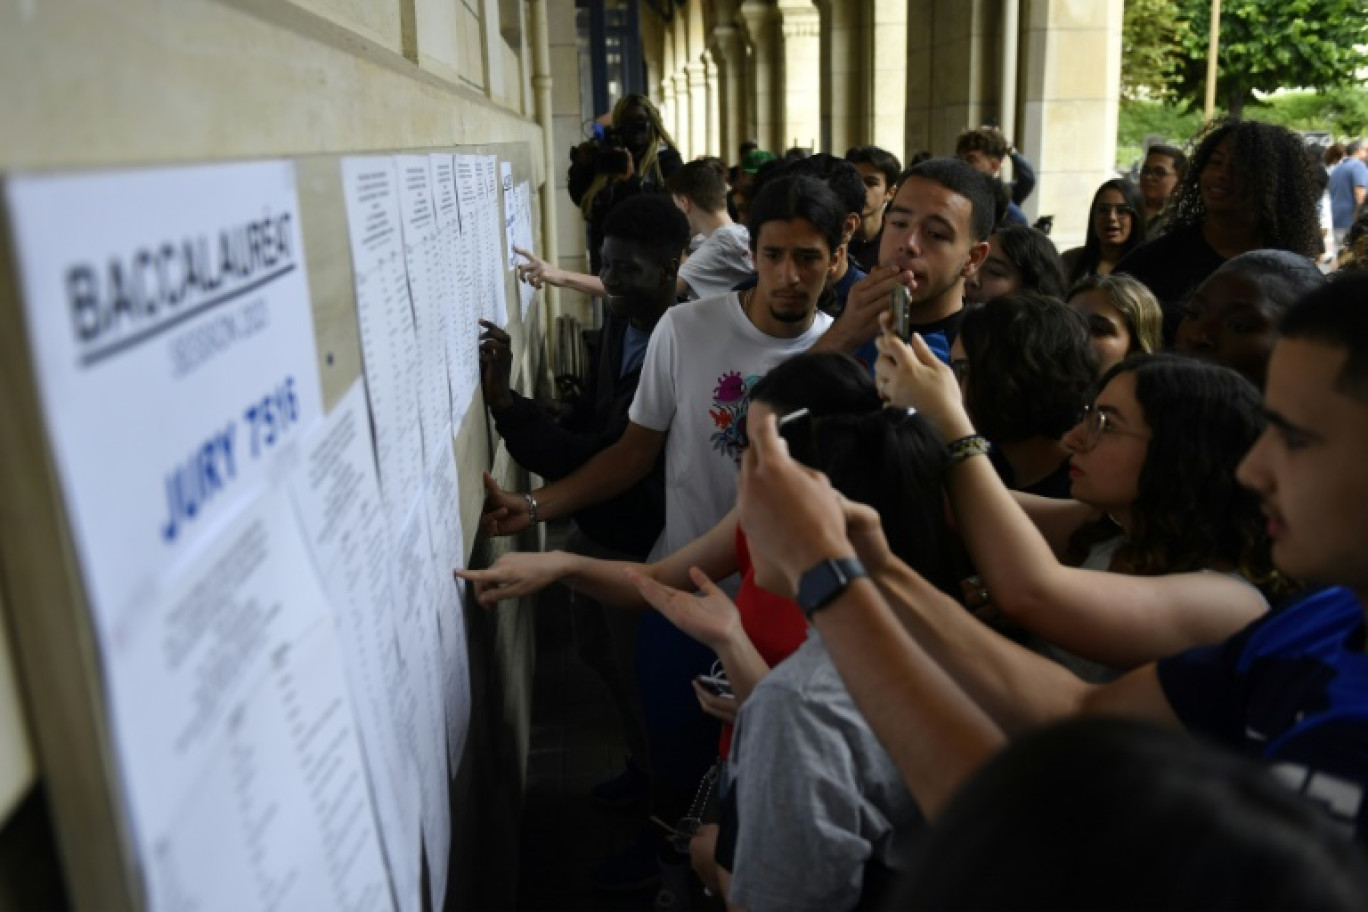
column 1172, row 266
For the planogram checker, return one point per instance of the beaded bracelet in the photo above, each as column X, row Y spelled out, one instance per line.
column 531, row 508
column 968, row 447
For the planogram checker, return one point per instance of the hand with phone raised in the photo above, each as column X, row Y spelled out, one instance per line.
column 868, row 298
column 909, row 375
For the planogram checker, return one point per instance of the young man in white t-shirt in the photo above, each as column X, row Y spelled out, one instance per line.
column 691, row 403
column 695, row 384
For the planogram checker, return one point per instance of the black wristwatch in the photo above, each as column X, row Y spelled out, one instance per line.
column 821, row 585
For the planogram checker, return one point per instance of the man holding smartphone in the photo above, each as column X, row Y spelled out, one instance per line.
column 935, row 236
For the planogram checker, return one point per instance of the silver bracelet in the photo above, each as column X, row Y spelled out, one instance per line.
column 531, row 508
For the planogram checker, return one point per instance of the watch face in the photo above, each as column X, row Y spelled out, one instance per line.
column 824, row 582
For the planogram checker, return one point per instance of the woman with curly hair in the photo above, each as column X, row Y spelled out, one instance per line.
column 637, row 156
column 1116, row 226
column 1161, row 548
column 1250, row 185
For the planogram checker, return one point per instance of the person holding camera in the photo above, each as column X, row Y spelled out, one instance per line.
column 635, row 155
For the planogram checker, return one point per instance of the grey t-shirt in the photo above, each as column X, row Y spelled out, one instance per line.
column 721, row 261
column 817, row 796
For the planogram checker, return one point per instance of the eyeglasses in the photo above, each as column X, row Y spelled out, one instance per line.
column 1095, row 423
column 1156, row 172
column 1120, row 210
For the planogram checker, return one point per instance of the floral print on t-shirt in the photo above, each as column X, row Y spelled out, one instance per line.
column 731, row 399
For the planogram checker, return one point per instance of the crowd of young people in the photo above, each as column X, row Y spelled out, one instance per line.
column 1126, row 483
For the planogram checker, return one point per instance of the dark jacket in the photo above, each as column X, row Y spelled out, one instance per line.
column 630, row 522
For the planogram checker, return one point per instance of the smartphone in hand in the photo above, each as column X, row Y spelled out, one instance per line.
column 900, row 306
column 716, row 686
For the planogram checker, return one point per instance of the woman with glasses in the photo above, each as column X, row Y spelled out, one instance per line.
column 1159, row 550
column 1159, row 177
column 1116, row 226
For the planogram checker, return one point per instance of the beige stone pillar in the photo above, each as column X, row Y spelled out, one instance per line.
column 682, row 135
column 695, row 76
column 1070, row 93
column 569, row 132
column 758, row 17
column 667, row 91
column 714, row 97
column 800, row 100
column 728, row 52
column 921, row 22
column 844, row 96
column 886, row 94
column 952, row 70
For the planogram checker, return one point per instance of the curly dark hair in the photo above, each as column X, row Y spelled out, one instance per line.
column 1277, row 173
column 1190, row 513
column 1092, row 245
column 1031, row 366
column 1035, row 257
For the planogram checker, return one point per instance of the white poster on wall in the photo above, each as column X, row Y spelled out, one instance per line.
column 170, row 323
column 169, row 318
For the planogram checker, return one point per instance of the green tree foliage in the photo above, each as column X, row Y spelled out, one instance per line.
column 1150, row 50
column 1267, row 45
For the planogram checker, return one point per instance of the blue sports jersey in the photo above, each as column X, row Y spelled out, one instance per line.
column 1292, row 689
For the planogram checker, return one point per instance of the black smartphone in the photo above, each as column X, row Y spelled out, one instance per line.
column 900, row 305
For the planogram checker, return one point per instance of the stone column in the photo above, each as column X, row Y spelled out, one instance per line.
column 696, row 78
column 1070, row 93
column 758, row 18
column 667, row 93
column 728, row 53
column 682, row 135
column 801, row 74
column 921, row 22
column 952, row 69
column 845, row 95
column 886, row 96
column 714, row 97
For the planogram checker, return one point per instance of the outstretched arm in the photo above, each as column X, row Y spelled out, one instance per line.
column 1114, row 618
column 537, row 272
column 521, row 573
column 934, row 732
column 711, row 618
column 610, row 472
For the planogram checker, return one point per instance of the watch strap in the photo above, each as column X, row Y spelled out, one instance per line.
column 821, row 585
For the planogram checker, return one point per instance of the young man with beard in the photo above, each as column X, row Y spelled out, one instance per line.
column 943, row 693
column 691, row 405
column 935, row 236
